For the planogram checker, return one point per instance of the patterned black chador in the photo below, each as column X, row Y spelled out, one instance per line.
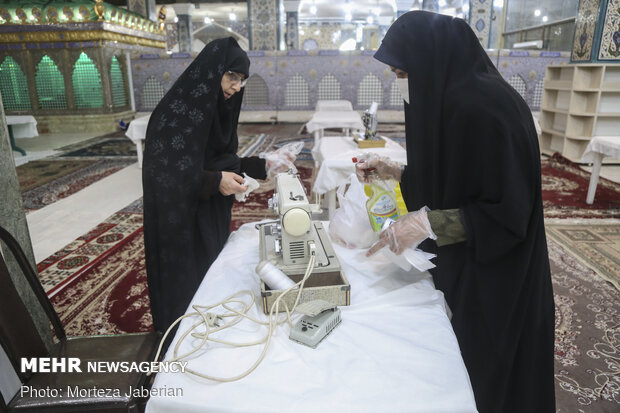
column 190, row 151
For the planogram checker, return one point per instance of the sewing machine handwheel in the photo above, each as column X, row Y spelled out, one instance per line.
column 296, row 222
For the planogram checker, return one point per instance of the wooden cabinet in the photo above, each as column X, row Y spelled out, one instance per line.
column 579, row 101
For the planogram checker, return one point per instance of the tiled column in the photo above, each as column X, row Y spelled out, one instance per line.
column 610, row 33
column 184, row 25
column 597, row 32
column 264, row 16
column 292, row 24
column 13, row 219
column 480, row 15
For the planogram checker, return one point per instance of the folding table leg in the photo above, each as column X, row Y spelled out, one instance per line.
column 12, row 139
column 139, row 150
column 596, row 170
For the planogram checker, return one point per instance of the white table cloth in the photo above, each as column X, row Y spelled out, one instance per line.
column 394, row 351
column 333, row 105
column 23, row 126
column 345, row 120
column 335, row 119
column 599, row 148
column 137, row 133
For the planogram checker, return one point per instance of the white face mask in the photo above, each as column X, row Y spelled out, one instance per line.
column 403, row 86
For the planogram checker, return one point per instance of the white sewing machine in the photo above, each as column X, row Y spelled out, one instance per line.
column 286, row 243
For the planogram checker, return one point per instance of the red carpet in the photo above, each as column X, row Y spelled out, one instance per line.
column 565, row 186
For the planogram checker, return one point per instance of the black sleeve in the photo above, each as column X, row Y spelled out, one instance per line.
column 254, row 167
column 210, row 184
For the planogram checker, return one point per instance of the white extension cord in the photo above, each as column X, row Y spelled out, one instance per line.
column 209, row 320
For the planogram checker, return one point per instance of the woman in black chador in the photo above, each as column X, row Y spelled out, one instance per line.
column 190, row 172
column 473, row 160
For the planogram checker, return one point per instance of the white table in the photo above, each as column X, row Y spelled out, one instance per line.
column 21, row 127
column 334, row 155
column 598, row 148
column 137, row 133
column 333, row 105
column 395, row 350
column 345, row 120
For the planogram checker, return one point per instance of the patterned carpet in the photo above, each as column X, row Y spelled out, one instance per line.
column 594, row 245
column 45, row 182
column 565, row 186
column 41, row 172
column 587, row 342
column 98, row 283
column 114, row 144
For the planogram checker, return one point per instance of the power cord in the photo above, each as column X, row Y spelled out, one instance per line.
column 210, row 320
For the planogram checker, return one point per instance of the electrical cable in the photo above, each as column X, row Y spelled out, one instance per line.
column 209, row 319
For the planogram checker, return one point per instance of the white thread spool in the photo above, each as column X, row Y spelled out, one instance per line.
column 273, row 276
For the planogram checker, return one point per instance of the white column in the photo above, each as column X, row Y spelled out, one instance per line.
column 291, row 8
column 132, row 98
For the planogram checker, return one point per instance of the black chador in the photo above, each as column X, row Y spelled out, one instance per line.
column 472, row 146
column 191, row 138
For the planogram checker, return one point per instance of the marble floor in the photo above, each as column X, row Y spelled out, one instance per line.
column 56, row 225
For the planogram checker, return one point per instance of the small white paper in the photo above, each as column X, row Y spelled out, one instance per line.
column 251, row 183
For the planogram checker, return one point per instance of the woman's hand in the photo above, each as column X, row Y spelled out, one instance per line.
column 407, row 232
column 280, row 163
column 282, row 159
column 231, row 183
column 383, row 167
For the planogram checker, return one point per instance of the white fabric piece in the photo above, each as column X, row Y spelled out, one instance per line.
column 536, row 123
column 403, row 86
column 137, row 129
column 411, row 258
column 609, row 146
column 252, row 185
column 394, row 351
column 335, row 119
column 23, row 126
column 333, row 105
column 335, row 155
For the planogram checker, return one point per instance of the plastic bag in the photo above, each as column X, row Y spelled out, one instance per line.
column 282, row 159
column 350, row 225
